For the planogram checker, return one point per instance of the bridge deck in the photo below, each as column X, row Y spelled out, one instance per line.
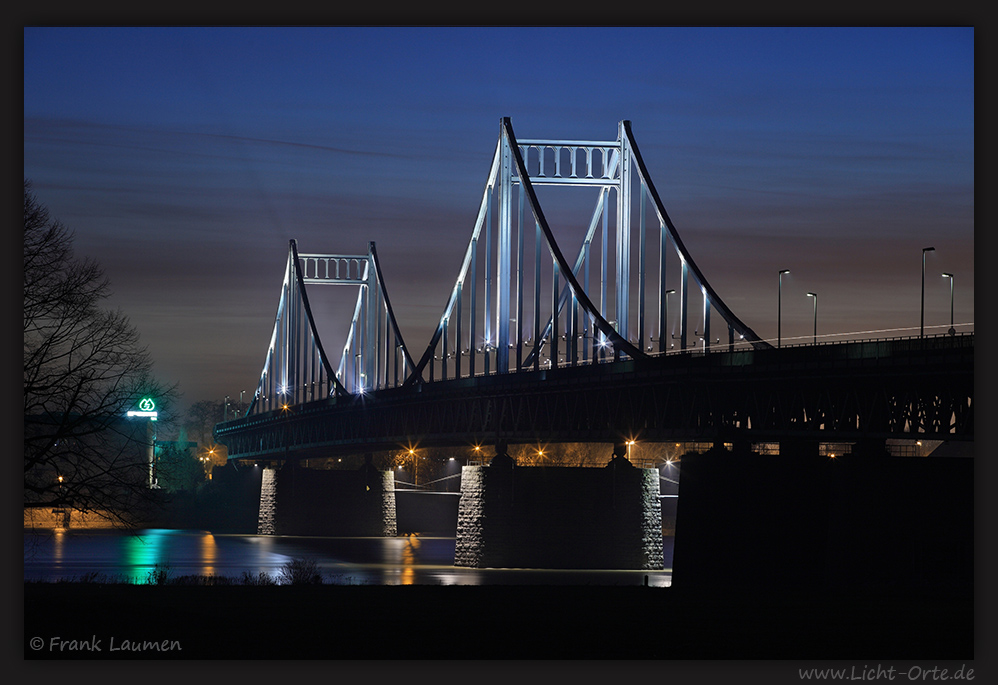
column 893, row 388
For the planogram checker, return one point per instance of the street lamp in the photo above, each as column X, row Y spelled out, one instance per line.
column 922, row 326
column 952, row 330
column 815, row 296
column 415, row 466
column 779, row 310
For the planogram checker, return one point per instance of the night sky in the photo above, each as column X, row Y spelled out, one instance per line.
column 186, row 158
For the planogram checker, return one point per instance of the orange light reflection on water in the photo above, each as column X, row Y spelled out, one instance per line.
column 209, row 552
column 408, row 560
column 58, row 541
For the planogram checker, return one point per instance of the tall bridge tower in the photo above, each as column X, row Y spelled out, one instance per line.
column 539, row 304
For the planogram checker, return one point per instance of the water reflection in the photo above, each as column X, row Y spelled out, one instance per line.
column 407, row 560
column 143, row 553
column 208, row 551
column 58, row 543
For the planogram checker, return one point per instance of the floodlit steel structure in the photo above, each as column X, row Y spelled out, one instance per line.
column 569, row 319
column 512, row 307
column 297, row 369
column 519, row 308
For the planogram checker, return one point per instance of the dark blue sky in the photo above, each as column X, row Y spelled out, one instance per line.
column 186, row 158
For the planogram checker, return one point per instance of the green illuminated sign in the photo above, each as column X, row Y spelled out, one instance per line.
column 147, row 409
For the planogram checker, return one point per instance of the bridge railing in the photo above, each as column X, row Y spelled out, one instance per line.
column 938, row 340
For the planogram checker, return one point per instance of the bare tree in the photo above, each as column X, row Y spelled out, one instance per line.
column 83, row 370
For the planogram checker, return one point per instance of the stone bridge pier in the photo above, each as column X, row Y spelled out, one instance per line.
column 559, row 517
column 358, row 503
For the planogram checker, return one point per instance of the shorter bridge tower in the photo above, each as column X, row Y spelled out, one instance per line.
column 297, row 368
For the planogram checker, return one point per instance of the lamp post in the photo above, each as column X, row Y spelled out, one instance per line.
column 921, row 330
column 815, row 296
column 779, row 310
column 952, row 330
column 415, row 466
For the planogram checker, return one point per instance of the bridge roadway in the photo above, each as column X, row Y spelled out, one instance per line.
column 832, row 392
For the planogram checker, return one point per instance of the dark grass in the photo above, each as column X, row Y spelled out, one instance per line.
column 245, row 621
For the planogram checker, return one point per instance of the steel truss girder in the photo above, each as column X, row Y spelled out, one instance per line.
column 824, row 393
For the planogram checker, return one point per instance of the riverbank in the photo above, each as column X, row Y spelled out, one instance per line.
column 88, row 621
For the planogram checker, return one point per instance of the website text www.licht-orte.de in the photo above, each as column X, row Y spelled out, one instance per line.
column 880, row 672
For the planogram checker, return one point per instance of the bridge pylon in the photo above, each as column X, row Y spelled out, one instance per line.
column 519, row 307
column 297, row 368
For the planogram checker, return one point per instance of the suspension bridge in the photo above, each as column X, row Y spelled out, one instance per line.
column 534, row 344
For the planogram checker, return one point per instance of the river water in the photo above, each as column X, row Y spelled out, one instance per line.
column 134, row 556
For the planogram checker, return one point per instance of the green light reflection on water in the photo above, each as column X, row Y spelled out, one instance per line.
column 145, row 550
